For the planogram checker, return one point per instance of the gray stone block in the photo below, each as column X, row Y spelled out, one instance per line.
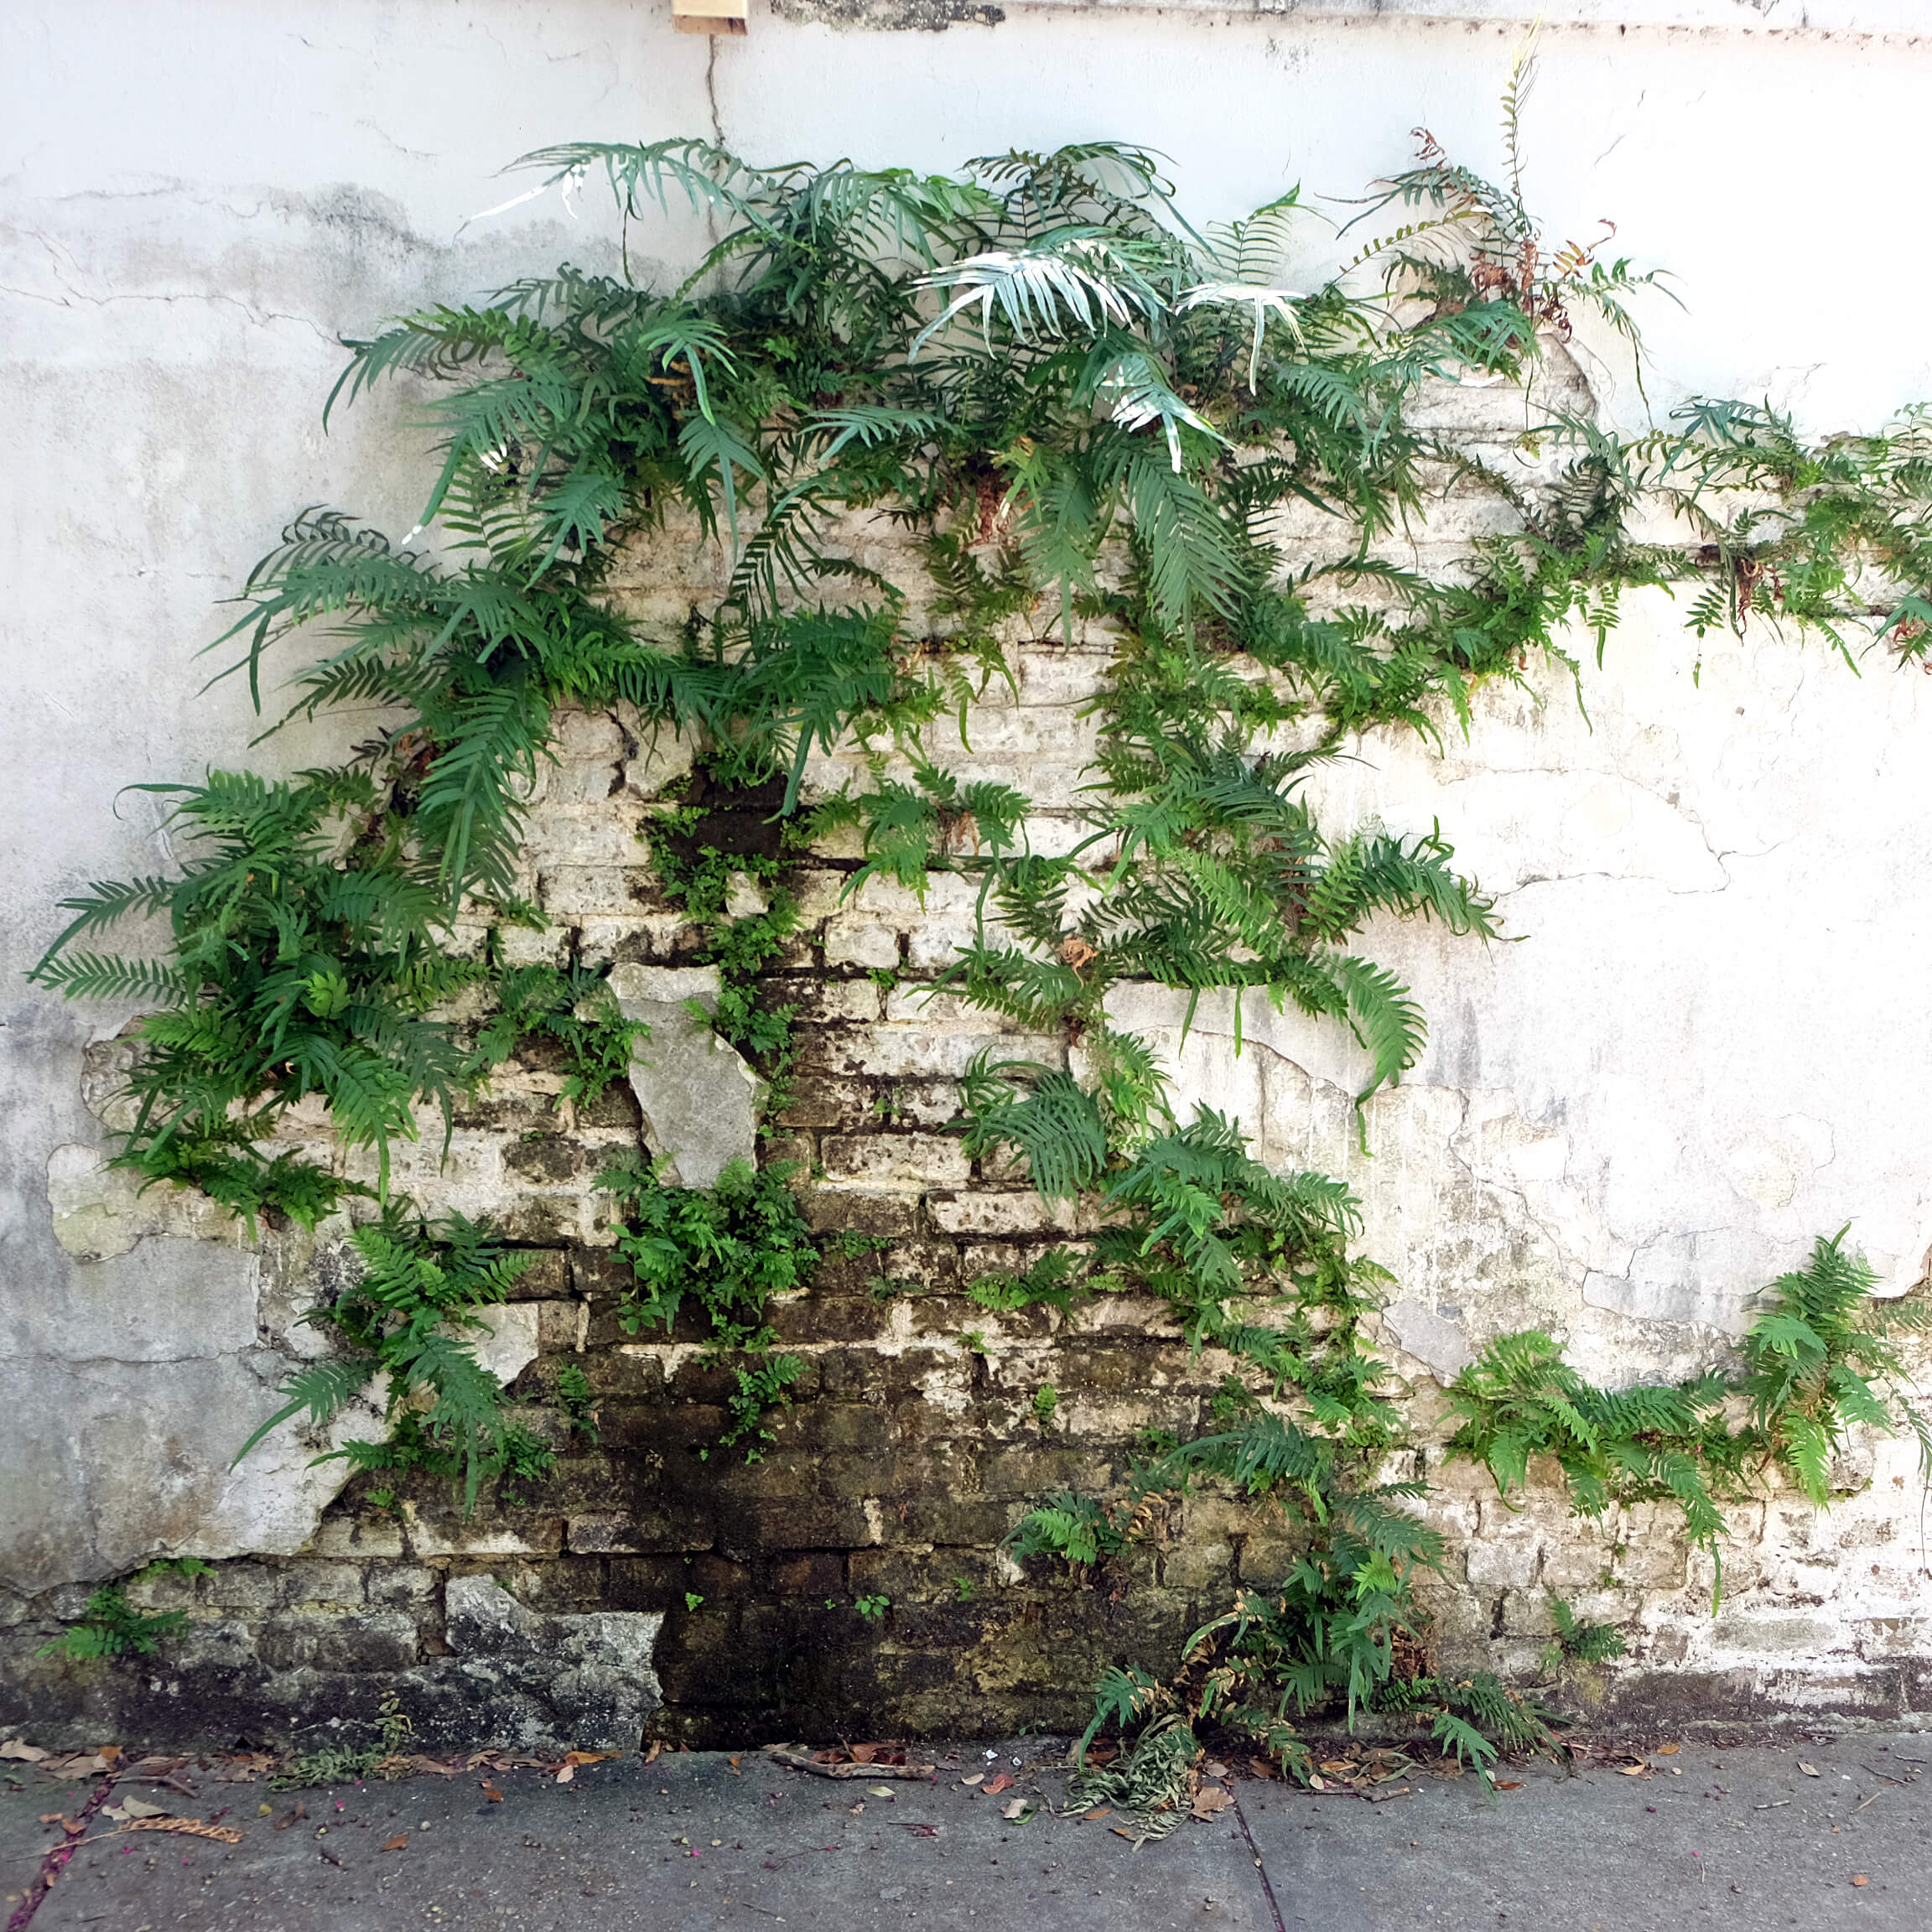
column 700, row 1098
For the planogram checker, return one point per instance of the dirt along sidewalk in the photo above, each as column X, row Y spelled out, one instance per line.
column 1823, row 1831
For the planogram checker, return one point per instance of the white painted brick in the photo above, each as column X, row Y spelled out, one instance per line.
column 985, row 1212
column 851, row 942
column 895, row 1160
column 898, row 1052
column 594, row 892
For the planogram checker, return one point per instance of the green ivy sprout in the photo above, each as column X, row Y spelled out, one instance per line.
column 723, row 1251
column 109, row 1626
column 1580, row 1643
column 873, row 1609
column 578, row 1400
column 422, row 1285
column 693, row 1600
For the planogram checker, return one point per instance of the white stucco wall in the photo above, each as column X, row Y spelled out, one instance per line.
column 1710, row 1045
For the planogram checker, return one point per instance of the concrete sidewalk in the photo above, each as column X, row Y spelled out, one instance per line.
column 1743, row 1837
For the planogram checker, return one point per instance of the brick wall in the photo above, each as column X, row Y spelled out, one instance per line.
column 912, row 1445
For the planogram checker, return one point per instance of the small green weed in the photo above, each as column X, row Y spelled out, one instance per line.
column 314, row 1769
column 873, row 1609
column 574, row 1396
column 109, row 1626
column 1580, row 1643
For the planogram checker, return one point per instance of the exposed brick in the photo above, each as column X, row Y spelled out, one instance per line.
column 896, row 1160
column 850, row 942
column 386, row 1641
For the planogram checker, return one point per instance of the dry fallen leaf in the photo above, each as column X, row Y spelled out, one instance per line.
column 27, row 1754
column 995, row 1786
column 1509, row 1783
column 1098, row 1811
column 973, row 1778
column 1317, row 1783
column 1632, row 1770
column 730, row 1765
column 492, row 1794
column 1337, row 1767
column 881, row 1790
column 1209, row 1799
column 400, row 1844
column 1214, row 1769
column 1810, row 1770
column 1668, row 1750
column 1859, row 1878
column 139, row 1808
column 192, row 1826
column 1015, row 1809
column 863, row 1754
column 657, row 1745
column 1120, row 1830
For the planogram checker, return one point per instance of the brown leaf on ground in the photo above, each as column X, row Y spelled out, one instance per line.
column 27, row 1754
column 139, row 1808
column 819, row 1764
column 1668, row 1750
column 191, row 1827
column 1509, row 1783
column 973, row 1778
column 1859, row 1878
column 1209, row 1799
column 863, row 1754
column 657, row 1747
column 995, row 1786
column 492, row 1794
column 731, row 1765
column 1810, row 1770
column 400, row 1844
column 301, row 1811
column 1337, row 1767
column 1214, row 1769
column 1261, row 1767
column 1015, row 1809
column 1632, row 1770
column 1098, row 1811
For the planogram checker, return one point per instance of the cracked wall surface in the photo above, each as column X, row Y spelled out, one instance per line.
column 1700, row 1047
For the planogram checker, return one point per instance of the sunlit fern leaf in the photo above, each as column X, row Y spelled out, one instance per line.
column 1040, row 1112
column 322, row 1390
